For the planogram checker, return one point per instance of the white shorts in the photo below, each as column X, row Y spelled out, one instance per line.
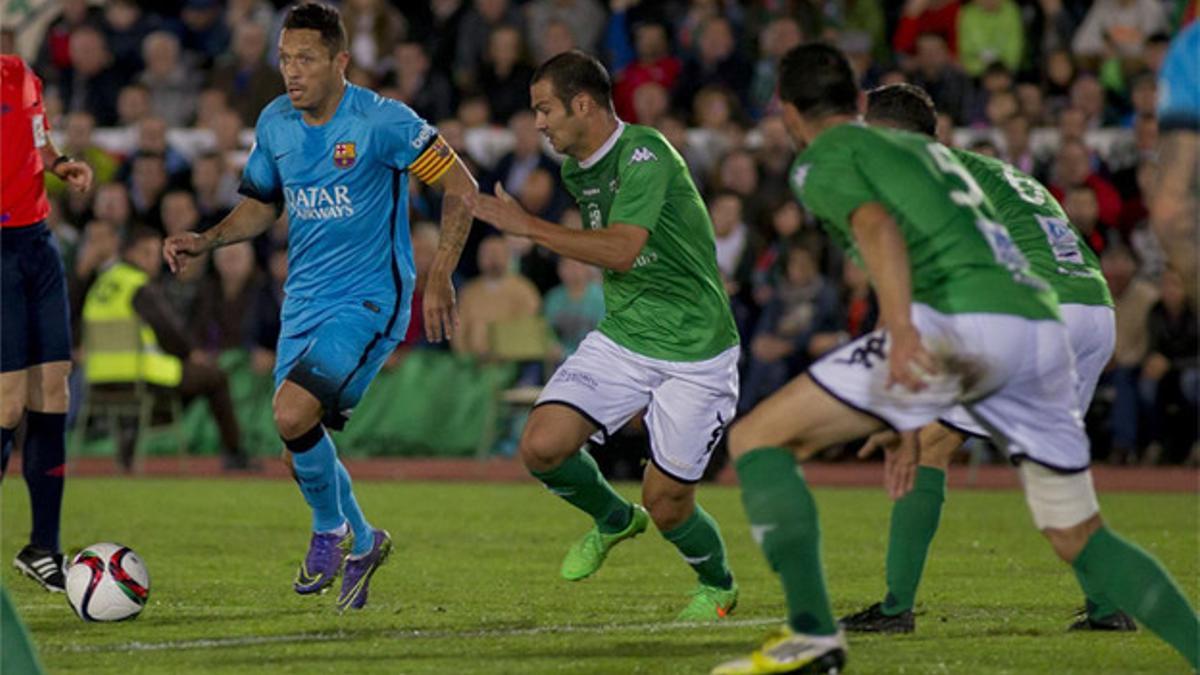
column 1015, row 376
column 689, row 402
column 1092, row 330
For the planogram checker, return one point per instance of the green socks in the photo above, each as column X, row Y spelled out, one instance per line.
column 783, row 520
column 1097, row 605
column 915, row 519
column 699, row 540
column 578, row 480
column 1137, row 583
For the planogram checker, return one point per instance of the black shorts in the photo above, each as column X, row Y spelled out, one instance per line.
column 35, row 324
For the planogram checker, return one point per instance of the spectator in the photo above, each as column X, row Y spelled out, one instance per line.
column 373, row 27
column 214, row 188
column 1170, row 378
column 557, row 39
column 152, row 139
column 527, row 156
column 111, row 204
column 920, row 17
column 242, row 12
column 1133, row 298
column 1072, row 169
column 133, row 105
column 177, row 366
column 1081, row 207
column 78, row 143
column 714, row 113
column 202, row 31
column 498, row 294
column 770, row 265
column 866, row 64
column 474, row 30
column 91, row 82
column 1118, row 28
column 575, row 307
column 171, row 85
column 178, row 213
column 267, row 309
column 716, row 61
column 54, row 58
column 98, row 250
column 425, row 90
column 798, row 325
column 774, row 156
column 860, row 310
column 1059, row 74
column 735, row 252
column 425, row 237
column 1033, row 104
column 245, row 74
column 1143, row 98
column 738, row 173
column 126, row 27
column 148, row 182
column 504, row 75
column 1087, row 96
column 654, row 64
column 1142, row 239
column 936, row 73
column 651, row 103
column 1017, row 149
column 224, row 317
column 584, row 18
column 778, row 38
column 990, row 31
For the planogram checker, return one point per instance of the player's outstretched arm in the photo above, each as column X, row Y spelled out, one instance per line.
column 885, row 255
column 458, row 194
column 615, row 247
column 248, row 219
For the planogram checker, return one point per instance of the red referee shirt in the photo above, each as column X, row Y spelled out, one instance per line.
column 24, row 130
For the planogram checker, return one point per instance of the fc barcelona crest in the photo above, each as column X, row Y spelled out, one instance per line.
column 344, row 155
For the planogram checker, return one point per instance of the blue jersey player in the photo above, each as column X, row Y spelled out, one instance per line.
column 1173, row 205
column 338, row 158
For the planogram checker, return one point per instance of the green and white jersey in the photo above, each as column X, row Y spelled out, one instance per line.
column 962, row 260
column 1041, row 229
column 671, row 305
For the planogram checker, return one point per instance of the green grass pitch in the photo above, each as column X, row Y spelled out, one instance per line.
column 473, row 585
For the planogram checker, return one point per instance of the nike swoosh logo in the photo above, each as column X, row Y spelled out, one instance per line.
column 304, row 578
column 696, row 561
column 760, row 531
column 282, row 155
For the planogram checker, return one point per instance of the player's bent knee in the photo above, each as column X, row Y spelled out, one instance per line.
column 668, row 511
column 10, row 411
column 1063, row 505
column 541, row 449
column 292, row 422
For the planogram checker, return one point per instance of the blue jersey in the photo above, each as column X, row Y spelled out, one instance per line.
column 1179, row 83
column 345, row 188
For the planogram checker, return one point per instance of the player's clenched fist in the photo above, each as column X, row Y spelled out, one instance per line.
column 180, row 248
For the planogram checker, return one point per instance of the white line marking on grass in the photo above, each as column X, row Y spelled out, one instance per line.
column 412, row 634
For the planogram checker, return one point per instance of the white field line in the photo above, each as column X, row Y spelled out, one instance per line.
column 411, row 634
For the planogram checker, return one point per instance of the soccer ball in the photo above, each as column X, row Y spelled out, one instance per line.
column 107, row 582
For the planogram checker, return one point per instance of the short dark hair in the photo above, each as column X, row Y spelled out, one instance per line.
column 818, row 80
column 573, row 73
column 906, row 106
column 136, row 235
column 322, row 18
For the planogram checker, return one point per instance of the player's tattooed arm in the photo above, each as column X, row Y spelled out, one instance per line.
column 248, row 219
column 458, row 194
column 1173, row 207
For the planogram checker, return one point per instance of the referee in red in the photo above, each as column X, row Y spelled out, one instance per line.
column 35, row 337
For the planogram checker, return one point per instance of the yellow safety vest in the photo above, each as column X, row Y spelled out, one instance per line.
column 111, row 299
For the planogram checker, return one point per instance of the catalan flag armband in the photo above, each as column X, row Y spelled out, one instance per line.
column 434, row 162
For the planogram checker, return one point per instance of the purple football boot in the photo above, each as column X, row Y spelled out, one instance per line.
column 357, row 579
column 326, row 552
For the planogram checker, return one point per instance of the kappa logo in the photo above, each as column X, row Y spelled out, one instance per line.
column 800, row 175
column 642, row 154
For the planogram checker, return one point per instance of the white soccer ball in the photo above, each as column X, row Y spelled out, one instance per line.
column 107, row 582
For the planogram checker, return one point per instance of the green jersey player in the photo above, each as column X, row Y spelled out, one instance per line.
column 965, row 323
column 1040, row 229
column 667, row 343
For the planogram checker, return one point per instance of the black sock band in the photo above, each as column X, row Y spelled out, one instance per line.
column 305, row 441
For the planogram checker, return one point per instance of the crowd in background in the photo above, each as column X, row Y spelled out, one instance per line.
column 158, row 97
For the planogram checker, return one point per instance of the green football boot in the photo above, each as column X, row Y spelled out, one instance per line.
column 588, row 554
column 709, row 604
